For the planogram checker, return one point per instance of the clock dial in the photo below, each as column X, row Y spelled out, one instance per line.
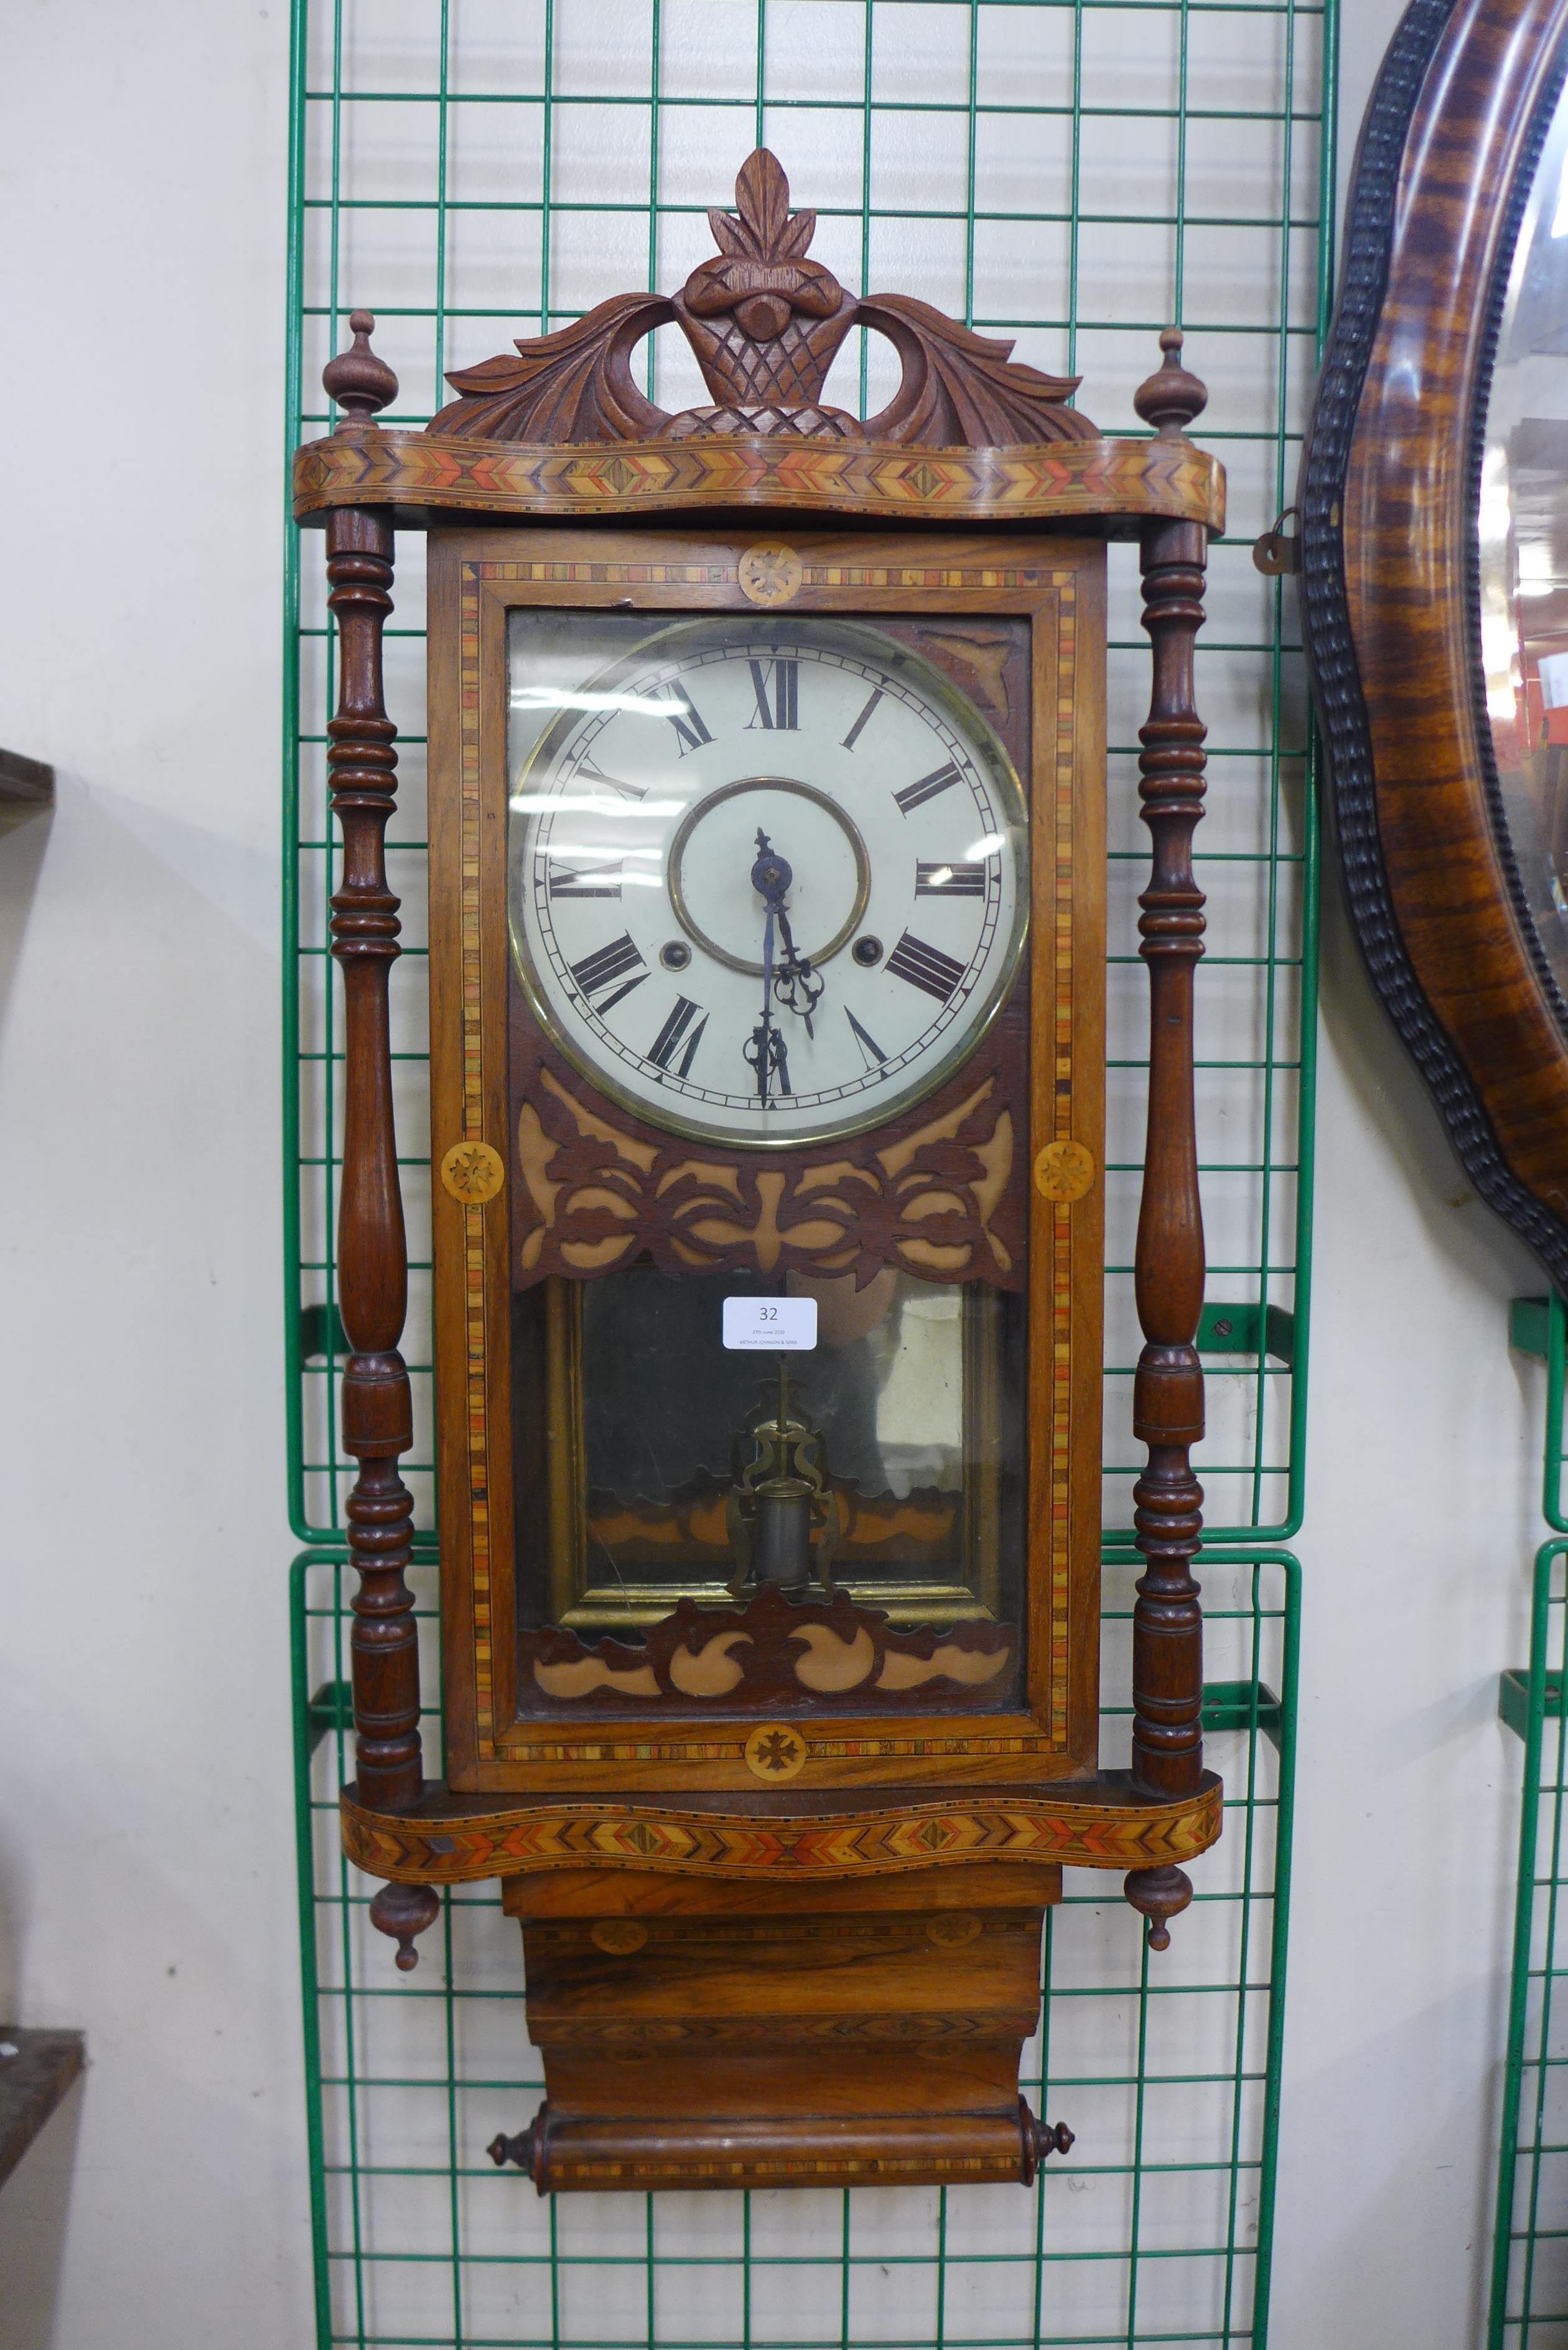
column 768, row 882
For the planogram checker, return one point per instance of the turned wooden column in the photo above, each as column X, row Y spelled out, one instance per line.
column 372, row 1252
column 1167, row 1395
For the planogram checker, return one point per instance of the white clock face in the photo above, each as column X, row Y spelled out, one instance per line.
column 768, row 880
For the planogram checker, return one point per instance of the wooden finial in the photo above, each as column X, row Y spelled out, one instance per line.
column 1170, row 399
column 1159, row 1893
column 402, row 1911
column 356, row 380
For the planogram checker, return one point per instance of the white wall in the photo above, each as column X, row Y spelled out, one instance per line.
column 1422, row 1518
column 146, row 1843
column 146, row 1874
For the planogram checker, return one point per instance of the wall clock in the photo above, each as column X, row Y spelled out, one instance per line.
column 1434, row 581
column 767, row 911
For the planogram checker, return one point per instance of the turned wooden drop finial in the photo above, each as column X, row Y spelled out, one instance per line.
column 403, row 1911
column 356, row 380
column 1160, row 1894
column 1170, row 398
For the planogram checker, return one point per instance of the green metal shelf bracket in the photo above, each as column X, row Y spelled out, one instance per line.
column 1513, row 1699
column 1233, row 1327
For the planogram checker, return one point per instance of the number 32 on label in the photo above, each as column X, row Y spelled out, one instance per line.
column 776, row 1326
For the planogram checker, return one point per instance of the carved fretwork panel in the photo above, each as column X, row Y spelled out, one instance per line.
column 938, row 1198
column 773, row 1654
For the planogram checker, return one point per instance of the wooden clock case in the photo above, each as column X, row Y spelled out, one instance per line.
column 742, row 1921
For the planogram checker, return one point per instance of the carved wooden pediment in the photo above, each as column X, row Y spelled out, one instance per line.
column 765, row 323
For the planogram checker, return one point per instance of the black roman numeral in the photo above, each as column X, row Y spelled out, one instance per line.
column 925, row 967
column 858, row 728
column 662, row 1050
column 690, row 731
column 584, row 881
column 875, row 1058
column 604, row 967
column 949, row 880
column 784, row 710
column 588, row 771
column 916, row 795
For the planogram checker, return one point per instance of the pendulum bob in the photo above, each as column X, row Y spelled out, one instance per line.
column 782, row 1513
column 781, row 1533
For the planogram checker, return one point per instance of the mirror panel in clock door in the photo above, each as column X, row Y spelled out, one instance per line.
column 1521, row 524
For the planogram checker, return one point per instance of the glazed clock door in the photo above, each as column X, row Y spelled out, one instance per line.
column 767, row 1013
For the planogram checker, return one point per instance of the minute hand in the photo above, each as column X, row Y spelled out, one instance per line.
column 765, row 1050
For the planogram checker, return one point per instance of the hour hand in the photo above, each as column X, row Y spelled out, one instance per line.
column 797, row 986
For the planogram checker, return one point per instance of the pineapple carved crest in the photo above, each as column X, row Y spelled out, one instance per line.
column 765, row 322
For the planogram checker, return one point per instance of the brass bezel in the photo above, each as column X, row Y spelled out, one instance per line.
column 800, row 1135
column 693, row 817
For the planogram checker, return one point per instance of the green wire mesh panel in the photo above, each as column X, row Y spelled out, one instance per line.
column 1529, row 2249
column 1155, row 2229
column 1530, row 2252
column 1074, row 174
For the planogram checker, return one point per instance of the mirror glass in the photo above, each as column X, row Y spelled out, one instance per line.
column 1523, row 534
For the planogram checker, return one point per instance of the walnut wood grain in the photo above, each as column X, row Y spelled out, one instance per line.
column 1167, row 1395
column 682, row 2030
column 948, row 591
column 990, row 2141
column 1389, row 498
column 372, row 1255
column 654, row 1836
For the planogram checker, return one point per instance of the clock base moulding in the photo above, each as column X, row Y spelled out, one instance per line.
column 689, row 1968
column 679, row 2017
column 783, row 1986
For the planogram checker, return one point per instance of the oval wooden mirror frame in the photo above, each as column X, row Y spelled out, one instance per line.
column 1391, row 593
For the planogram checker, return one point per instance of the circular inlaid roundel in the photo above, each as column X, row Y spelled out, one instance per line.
column 472, row 1172
column 775, row 1752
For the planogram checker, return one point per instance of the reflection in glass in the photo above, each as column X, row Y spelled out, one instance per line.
column 642, row 1472
column 1522, row 535
column 917, row 1387
column 647, row 799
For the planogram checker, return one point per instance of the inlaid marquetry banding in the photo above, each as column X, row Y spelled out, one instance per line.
column 1057, row 481
column 770, row 575
column 642, row 1170
column 479, row 1532
column 498, row 1837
